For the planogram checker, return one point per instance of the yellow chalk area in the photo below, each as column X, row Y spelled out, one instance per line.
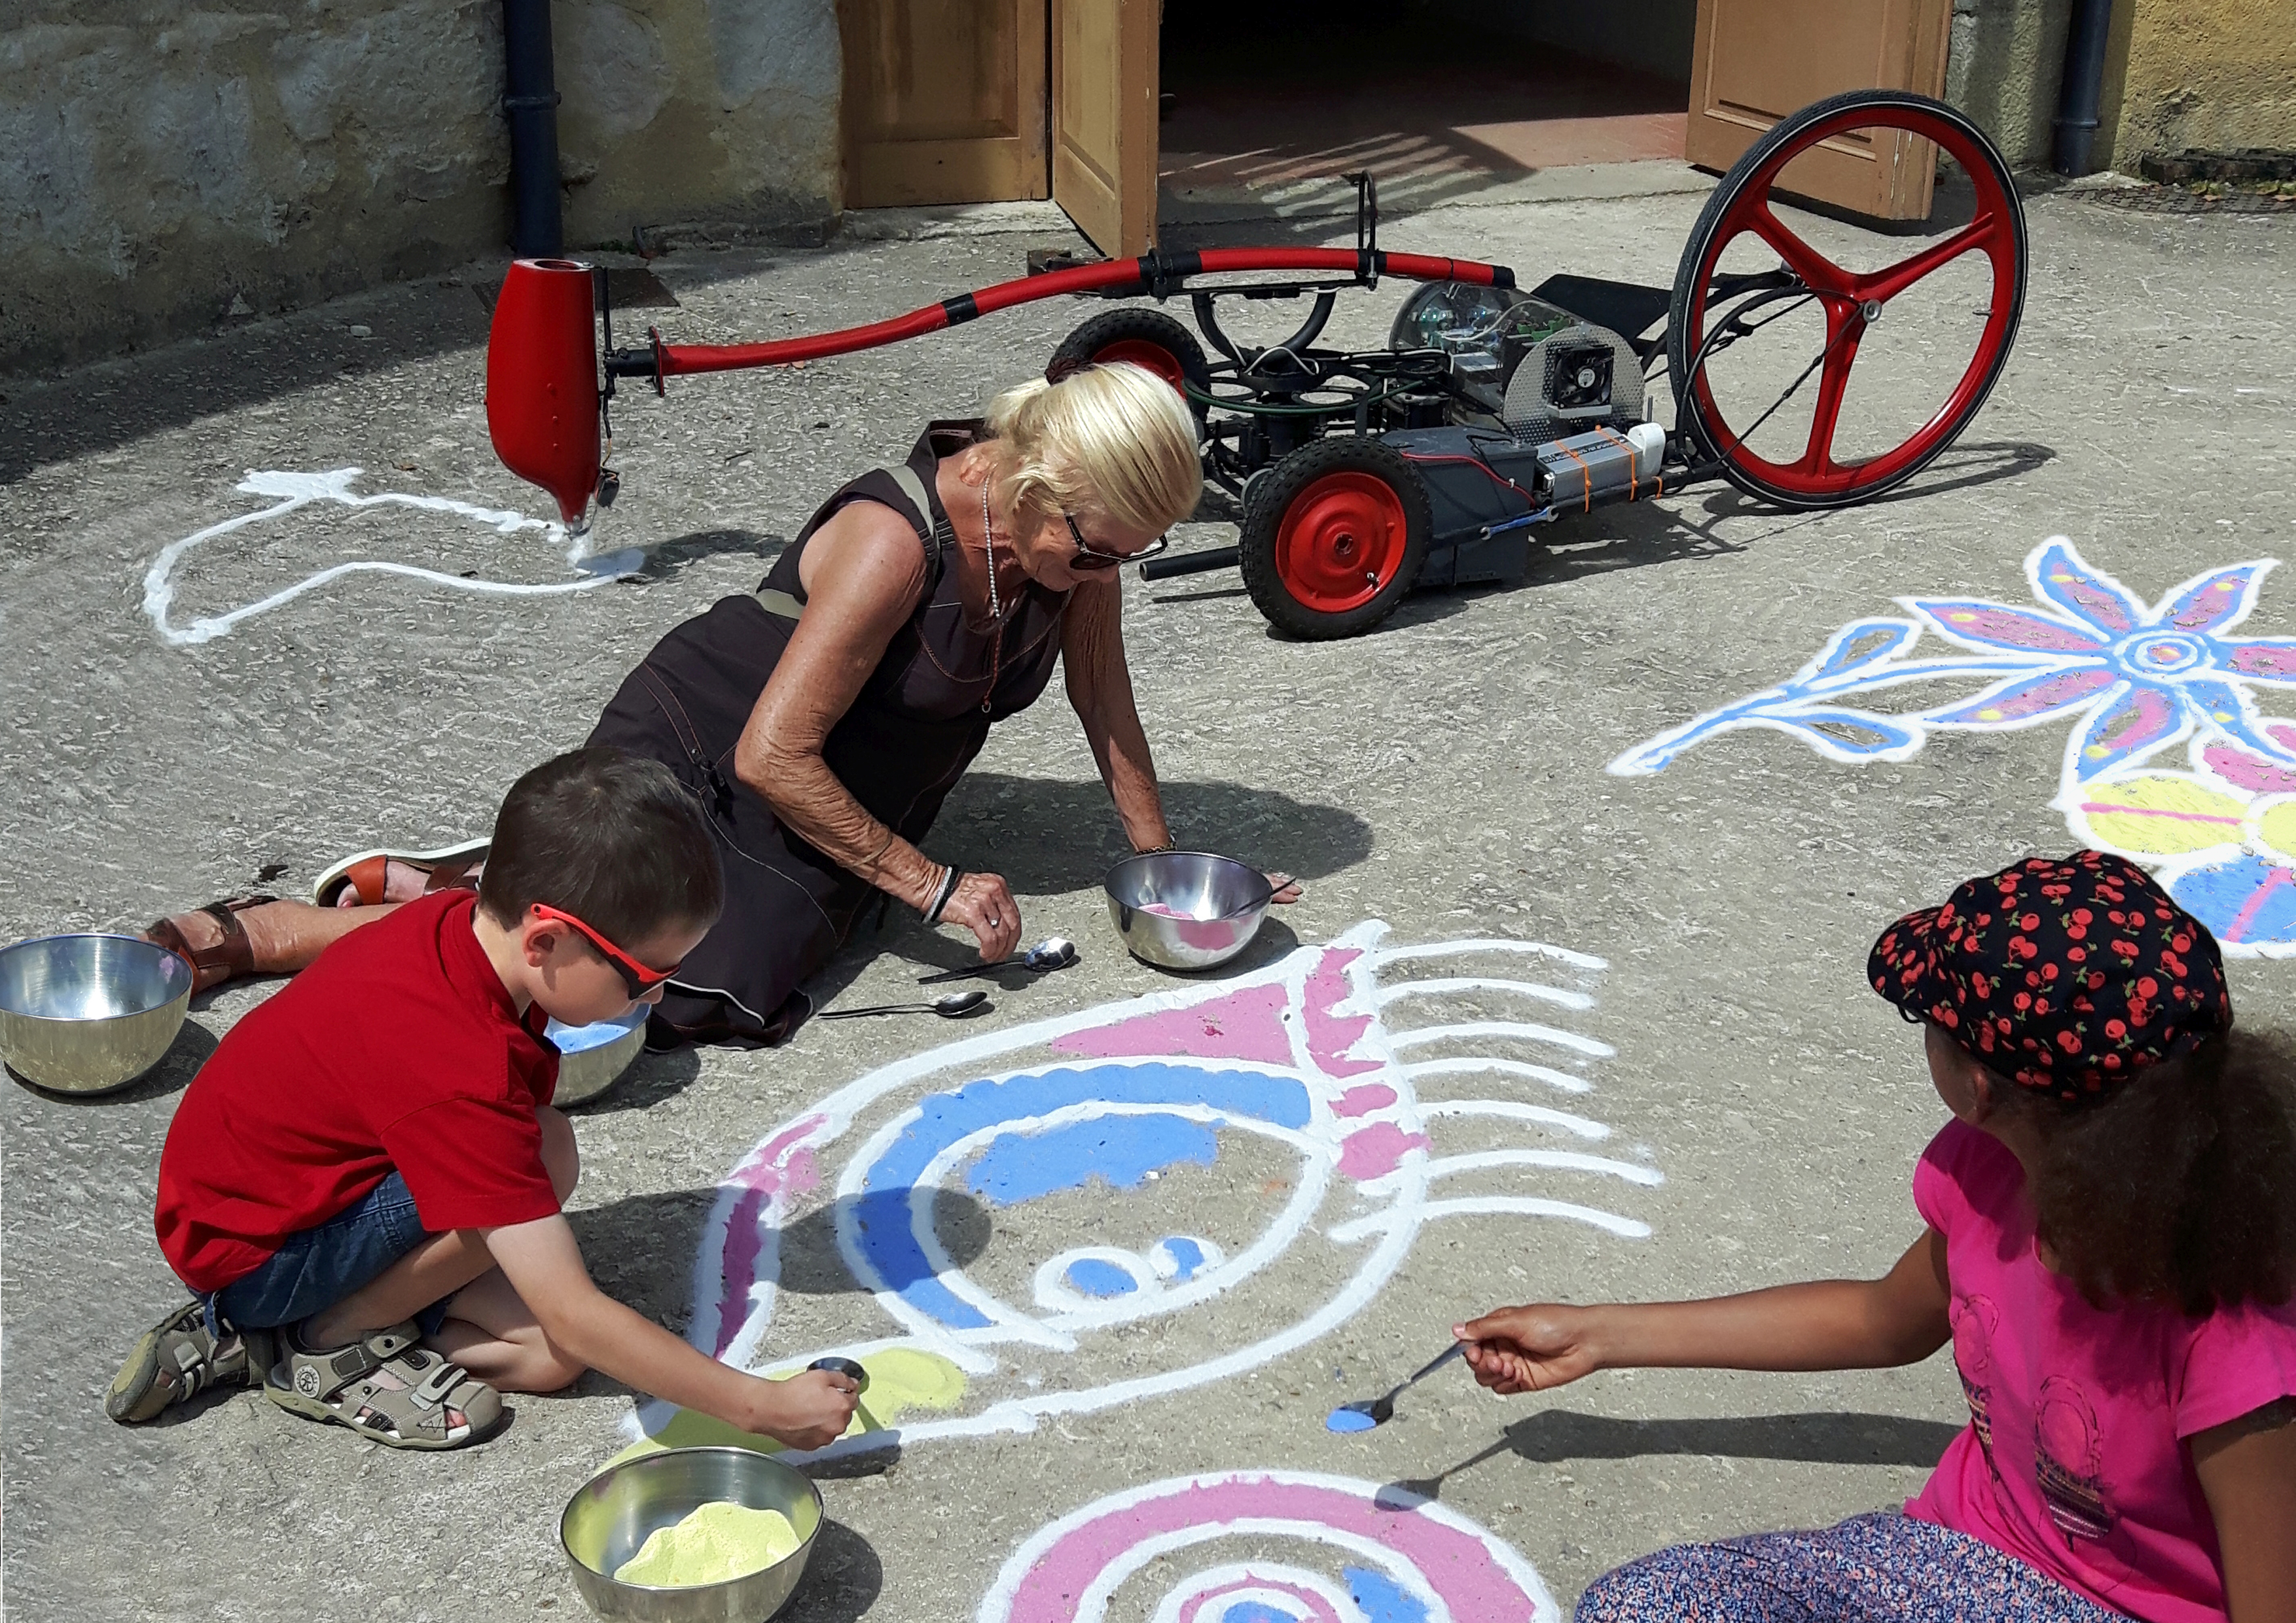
column 716, row 1543
column 2161, row 816
column 2276, row 825
column 900, row 1379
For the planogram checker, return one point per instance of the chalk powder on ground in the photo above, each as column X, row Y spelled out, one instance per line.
column 713, row 1545
column 1348, row 1420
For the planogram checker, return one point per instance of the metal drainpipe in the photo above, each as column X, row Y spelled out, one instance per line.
column 530, row 104
column 2082, row 92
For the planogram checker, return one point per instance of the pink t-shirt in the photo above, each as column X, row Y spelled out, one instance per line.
column 2073, row 1460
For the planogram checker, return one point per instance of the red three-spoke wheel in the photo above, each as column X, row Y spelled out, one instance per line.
column 1776, row 407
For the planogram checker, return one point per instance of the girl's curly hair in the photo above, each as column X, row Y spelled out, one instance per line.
column 2179, row 1187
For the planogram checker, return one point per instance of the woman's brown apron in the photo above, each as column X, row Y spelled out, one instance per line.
column 919, row 718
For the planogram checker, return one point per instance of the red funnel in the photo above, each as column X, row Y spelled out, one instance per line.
column 542, row 381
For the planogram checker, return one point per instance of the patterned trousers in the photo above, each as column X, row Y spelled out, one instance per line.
column 1878, row 1569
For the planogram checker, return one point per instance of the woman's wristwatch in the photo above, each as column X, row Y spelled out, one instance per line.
column 950, row 878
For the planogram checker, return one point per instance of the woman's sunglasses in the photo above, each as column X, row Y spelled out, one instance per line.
column 1090, row 557
column 635, row 976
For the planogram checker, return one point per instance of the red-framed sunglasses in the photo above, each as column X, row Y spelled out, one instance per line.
column 635, row 976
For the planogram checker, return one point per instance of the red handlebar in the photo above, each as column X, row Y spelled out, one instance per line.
column 1151, row 272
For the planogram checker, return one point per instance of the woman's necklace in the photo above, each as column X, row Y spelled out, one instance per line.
column 988, row 546
column 995, row 607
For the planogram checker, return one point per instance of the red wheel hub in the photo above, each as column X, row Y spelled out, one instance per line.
column 1850, row 301
column 1147, row 355
column 1341, row 542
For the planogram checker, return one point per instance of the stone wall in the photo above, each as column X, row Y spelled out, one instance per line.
column 163, row 168
column 2198, row 73
column 2003, row 64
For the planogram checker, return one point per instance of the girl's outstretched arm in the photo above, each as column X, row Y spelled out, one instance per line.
column 2247, row 1469
column 1834, row 1323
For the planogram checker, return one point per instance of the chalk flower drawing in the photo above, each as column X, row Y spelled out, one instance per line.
column 1205, row 1158
column 2131, row 679
column 2222, row 836
column 1401, row 1558
column 293, row 492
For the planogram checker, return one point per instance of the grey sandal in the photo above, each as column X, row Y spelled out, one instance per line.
column 176, row 1359
column 436, row 1404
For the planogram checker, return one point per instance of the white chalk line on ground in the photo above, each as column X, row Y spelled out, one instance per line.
column 294, row 491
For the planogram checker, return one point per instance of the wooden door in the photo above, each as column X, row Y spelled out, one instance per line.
column 1756, row 61
column 944, row 101
column 1105, row 83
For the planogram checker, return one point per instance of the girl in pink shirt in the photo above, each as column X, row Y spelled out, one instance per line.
column 2112, row 1251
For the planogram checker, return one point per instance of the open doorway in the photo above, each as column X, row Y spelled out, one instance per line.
column 1437, row 98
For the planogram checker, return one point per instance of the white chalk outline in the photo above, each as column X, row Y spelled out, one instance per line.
column 1092, row 1605
column 1402, row 1191
column 296, row 491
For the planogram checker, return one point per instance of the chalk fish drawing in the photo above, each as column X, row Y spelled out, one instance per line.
column 293, row 492
column 1399, row 1558
column 1112, row 1146
column 2132, row 679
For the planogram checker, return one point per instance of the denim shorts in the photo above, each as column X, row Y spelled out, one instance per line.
column 319, row 1266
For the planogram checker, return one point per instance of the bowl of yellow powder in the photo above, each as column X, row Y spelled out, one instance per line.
column 691, row 1535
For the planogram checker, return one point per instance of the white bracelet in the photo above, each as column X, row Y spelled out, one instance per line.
column 949, row 876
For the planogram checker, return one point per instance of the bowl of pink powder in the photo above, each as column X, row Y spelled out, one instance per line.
column 1186, row 910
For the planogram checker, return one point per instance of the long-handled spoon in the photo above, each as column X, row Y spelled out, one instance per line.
column 1366, row 1413
column 1052, row 953
column 955, row 1006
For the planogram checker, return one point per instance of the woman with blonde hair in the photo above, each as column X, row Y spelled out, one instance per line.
column 823, row 718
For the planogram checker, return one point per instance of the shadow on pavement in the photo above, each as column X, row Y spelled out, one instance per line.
column 1048, row 836
column 1826, row 1439
column 842, row 1580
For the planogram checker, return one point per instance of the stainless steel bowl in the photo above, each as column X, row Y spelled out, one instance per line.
column 593, row 1058
column 1218, row 903
column 610, row 1517
column 87, row 1013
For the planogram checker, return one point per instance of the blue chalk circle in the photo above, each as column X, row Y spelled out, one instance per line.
column 1382, row 1600
column 1256, row 1611
column 1095, row 1277
column 1348, row 1420
column 1179, row 1257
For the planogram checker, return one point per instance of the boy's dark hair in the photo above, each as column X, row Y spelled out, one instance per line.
column 2179, row 1187
column 613, row 839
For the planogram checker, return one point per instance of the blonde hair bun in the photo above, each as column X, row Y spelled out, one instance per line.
column 1113, row 437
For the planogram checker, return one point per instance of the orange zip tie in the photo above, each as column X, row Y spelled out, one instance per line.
column 1586, row 477
column 1633, row 480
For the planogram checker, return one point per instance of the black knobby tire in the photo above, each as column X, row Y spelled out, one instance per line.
column 1816, row 481
column 1329, row 512
column 1145, row 337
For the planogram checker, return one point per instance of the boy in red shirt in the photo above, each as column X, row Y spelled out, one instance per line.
column 363, row 1187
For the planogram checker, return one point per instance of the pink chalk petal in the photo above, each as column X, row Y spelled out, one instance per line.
column 2241, row 770
column 1983, row 625
column 1363, row 1101
column 1245, row 1025
column 1377, row 1149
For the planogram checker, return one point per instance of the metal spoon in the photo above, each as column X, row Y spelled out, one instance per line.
column 1052, row 953
column 955, row 1006
column 1379, row 1411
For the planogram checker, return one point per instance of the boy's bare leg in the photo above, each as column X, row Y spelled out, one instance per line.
column 489, row 1331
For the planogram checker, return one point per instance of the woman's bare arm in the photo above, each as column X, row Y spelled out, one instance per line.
column 2247, row 1469
column 1100, row 689
column 865, row 573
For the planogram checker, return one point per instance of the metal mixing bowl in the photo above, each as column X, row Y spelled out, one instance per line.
column 593, row 1058
column 1221, row 902
column 609, row 1519
column 87, row 1013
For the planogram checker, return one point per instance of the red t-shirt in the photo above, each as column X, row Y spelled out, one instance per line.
column 2077, row 1457
column 400, row 1049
